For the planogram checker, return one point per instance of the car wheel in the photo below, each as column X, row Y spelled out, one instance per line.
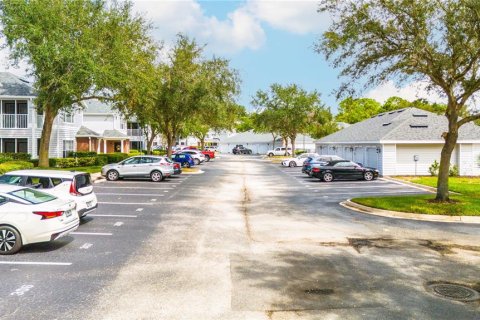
column 196, row 161
column 156, row 176
column 327, row 177
column 292, row 164
column 270, row 154
column 112, row 175
column 10, row 240
column 368, row 175
column 187, row 164
column 207, row 158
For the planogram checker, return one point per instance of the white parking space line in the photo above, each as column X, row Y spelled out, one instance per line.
column 154, row 199
column 86, row 246
column 118, row 224
column 408, row 185
column 139, row 209
column 360, row 193
column 129, row 194
column 130, row 188
column 332, row 186
column 36, row 263
column 113, row 215
column 127, row 203
column 92, row 233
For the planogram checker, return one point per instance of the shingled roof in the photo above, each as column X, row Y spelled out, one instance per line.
column 408, row 124
column 13, row 86
column 96, row 106
column 86, row 132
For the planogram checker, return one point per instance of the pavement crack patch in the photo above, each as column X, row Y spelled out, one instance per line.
column 445, row 249
column 246, row 218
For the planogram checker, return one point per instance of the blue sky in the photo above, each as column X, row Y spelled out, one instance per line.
column 266, row 41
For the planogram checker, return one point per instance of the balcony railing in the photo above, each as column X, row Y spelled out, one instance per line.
column 134, row 132
column 14, row 121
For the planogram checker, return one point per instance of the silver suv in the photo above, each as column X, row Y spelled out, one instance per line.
column 155, row 167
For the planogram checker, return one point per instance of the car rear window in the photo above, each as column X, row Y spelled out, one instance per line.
column 32, row 196
column 8, row 179
column 168, row 160
column 82, row 181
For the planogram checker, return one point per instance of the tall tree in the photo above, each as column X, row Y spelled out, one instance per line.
column 289, row 108
column 189, row 87
column 355, row 110
column 77, row 50
column 322, row 123
column 429, row 40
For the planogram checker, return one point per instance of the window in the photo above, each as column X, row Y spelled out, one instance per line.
column 68, row 146
column 22, row 145
column 68, row 117
column 8, row 179
column 56, row 181
column 2, row 200
column 82, row 181
column 8, row 145
column 32, row 196
column 38, row 182
column 131, row 161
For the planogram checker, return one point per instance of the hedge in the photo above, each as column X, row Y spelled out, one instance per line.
column 21, row 156
column 81, row 154
column 15, row 165
column 73, row 162
column 159, row 152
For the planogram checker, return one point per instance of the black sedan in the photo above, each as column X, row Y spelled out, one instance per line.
column 239, row 149
column 343, row 170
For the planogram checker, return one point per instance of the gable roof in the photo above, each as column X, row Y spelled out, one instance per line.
column 113, row 134
column 86, row 132
column 408, row 124
column 11, row 85
column 249, row 137
column 96, row 106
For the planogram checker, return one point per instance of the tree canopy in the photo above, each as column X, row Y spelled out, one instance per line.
column 425, row 40
column 77, row 50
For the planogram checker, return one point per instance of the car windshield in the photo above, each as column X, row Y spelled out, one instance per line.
column 8, row 179
column 32, row 196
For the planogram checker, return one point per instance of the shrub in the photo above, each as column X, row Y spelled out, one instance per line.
column 453, row 171
column 15, row 165
column 81, row 154
column 299, row 152
column 102, row 160
column 73, row 162
column 34, row 162
column 433, row 169
column 159, row 152
column 5, row 158
column 116, row 157
column 21, row 156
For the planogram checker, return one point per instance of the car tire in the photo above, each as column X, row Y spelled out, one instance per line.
column 187, row 165
column 156, row 176
column 368, row 176
column 327, row 177
column 292, row 164
column 207, row 158
column 10, row 240
column 112, row 175
column 270, row 154
column 196, row 161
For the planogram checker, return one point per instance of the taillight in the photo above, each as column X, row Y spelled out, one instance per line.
column 48, row 214
column 316, row 170
column 73, row 189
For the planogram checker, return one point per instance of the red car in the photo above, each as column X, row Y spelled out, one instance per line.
column 208, row 155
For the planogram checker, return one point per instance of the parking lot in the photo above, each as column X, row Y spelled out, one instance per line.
column 129, row 210
column 342, row 190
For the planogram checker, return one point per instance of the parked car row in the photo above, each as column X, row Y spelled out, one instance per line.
column 331, row 167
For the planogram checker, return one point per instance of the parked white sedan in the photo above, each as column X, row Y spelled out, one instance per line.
column 298, row 161
column 30, row 216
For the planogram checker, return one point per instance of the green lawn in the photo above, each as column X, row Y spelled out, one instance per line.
column 466, row 204
column 92, row 169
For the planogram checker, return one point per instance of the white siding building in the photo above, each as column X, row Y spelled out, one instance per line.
column 403, row 142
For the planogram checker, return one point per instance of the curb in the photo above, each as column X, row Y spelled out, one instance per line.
column 407, row 215
column 97, row 177
column 197, row 172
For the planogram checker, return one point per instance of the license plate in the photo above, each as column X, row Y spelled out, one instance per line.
column 89, row 204
column 68, row 213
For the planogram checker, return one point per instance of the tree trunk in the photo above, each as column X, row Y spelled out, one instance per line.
column 49, row 117
column 292, row 140
column 202, row 143
column 274, row 138
column 285, row 139
column 170, row 140
column 442, row 183
column 150, row 142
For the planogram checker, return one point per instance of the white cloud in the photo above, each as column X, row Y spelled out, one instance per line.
column 298, row 16
column 411, row 92
column 240, row 30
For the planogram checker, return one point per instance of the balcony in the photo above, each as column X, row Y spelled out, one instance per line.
column 14, row 121
column 134, row 132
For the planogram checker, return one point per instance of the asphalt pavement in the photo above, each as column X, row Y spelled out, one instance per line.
column 245, row 240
